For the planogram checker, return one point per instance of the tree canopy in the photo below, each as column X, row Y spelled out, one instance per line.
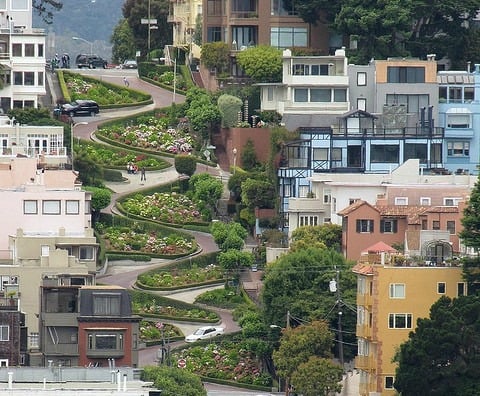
column 262, row 63
column 299, row 282
column 174, row 381
column 324, row 236
column 441, row 355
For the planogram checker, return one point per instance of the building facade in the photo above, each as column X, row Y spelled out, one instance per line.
column 22, row 56
column 390, row 300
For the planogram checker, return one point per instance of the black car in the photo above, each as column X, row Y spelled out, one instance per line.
column 129, row 64
column 88, row 107
column 90, row 61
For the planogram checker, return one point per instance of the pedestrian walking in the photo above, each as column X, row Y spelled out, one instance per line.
column 125, row 82
column 142, row 174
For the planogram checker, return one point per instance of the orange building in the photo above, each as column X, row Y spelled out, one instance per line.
column 390, row 300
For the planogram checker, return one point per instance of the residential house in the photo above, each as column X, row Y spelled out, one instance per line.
column 459, row 115
column 46, row 232
column 22, row 57
column 390, row 300
column 410, row 217
column 87, row 325
column 185, row 16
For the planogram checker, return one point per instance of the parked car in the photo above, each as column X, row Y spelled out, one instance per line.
column 90, row 61
column 129, row 64
column 80, row 106
column 203, row 333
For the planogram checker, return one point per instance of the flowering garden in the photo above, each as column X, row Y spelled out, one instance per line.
column 128, row 239
column 151, row 133
column 164, row 207
column 181, row 277
column 226, row 360
column 155, row 331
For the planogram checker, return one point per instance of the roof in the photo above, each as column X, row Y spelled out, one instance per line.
column 351, row 208
column 380, row 247
column 363, row 269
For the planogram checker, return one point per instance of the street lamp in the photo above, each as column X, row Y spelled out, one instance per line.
column 170, row 60
column 234, row 151
column 85, row 41
column 72, row 129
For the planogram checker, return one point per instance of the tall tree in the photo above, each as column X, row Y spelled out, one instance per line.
column 123, row 42
column 441, row 356
column 317, row 376
column 324, row 236
column 299, row 281
column 46, row 8
column 471, row 219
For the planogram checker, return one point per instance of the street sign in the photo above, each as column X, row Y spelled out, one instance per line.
column 182, row 363
column 146, row 21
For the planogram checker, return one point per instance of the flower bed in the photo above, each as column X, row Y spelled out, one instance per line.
column 153, row 306
column 168, row 208
column 221, row 298
column 155, row 331
column 151, row 133
column 227, row 360
column 127, row 239
column 80, row 87
column 182, row 277
column 108, row 157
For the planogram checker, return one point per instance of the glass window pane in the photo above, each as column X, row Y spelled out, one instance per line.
column 320, row 95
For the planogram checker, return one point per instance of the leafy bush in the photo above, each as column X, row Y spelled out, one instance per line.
column 221, row 298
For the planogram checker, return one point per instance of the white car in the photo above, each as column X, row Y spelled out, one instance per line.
column 203, row 333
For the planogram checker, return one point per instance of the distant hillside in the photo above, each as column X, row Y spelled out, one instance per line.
column 92, row 20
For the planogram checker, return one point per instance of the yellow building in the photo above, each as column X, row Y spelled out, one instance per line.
column 183, row 15
column 390, row 300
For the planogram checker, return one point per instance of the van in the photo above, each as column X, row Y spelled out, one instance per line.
column 90, row 61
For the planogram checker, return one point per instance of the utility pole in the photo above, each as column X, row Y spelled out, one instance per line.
column 340, row 313
column 287, row 379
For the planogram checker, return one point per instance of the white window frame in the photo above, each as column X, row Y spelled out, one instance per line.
column 4, row 333
column 425, row 201
column 408, row 317
column 303, row 191
column 393, row 381
column 401, row 201
column 397, row 290
column 361, row 79
column 444, row 285
column 19, row 5
column 34, row 340
column 86, row 253
column 362, row 104
column 455, row 201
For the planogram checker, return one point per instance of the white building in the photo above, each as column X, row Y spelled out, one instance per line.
column 22, row 56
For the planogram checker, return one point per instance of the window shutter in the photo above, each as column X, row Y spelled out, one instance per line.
column 382, row 225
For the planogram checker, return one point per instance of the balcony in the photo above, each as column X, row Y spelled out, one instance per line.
column 8, row 304
column 364, row 331
column 364, row 300
column 305, row 205
column 366, row 363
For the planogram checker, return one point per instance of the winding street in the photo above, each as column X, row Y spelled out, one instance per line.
column 125, row 276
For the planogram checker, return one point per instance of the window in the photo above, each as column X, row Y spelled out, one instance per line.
column 405, row 74
column 308, row 221
column 451, row 201
column 362, row 104
column 51, row 207
column 4, row 332
column 400, row 201
column 301, row 70
column 214, row 34
column 18, row 78
column 320, row 95
column 30, row 207
column 416, row 151
column 88, row 207
column 414, row 103
column 270, row 94
column 400, row 321
column 319, row 70
column 320, row 154
column 29, row 78
column 303, row 191
column 458, row 121
column 339, row 95
column 106, row 304
column 397, row 290
column 29, row 50
column 458, row 149
column 388, row 153
column 3, row 4
column 301, row 95
column 460, row 289
column 389, row 382
column 388, row 226
column 20, row 5
column 40, row 79
column 327, row 196
column 361, row 78
column 105, row 341
column 40, row 50
column 72, row 207
column 364, row 226
column 34, row 340
column 425, row 201
column 336, row 154
column 361, row 285
column 17, row 49
column 451, row 226
column 286, row 37
column 435, row 225
column 86, row 253
column 214, row 7
column 441, row 288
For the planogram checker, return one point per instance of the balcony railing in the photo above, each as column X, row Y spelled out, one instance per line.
column 407, row 132
column 8, row 304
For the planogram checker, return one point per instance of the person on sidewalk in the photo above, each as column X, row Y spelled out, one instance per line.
column 125, row 81
column 142, row 174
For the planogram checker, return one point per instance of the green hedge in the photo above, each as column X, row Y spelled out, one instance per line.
column 112, row 175
column 140, row 285
column 123, row 256
column 142, row 297
column 187, row 263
